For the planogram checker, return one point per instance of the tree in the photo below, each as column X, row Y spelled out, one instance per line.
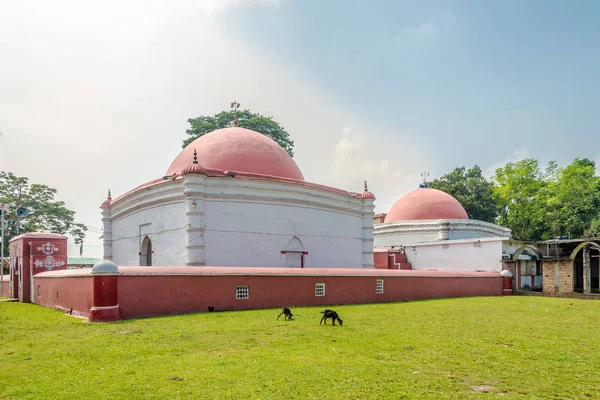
column 45, row 213
column 202, row 125
column 472, row 190
column 520, row 193
column 573, row 199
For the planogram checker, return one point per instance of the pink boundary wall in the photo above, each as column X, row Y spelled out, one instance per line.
column 5, row 285
column 153, row 291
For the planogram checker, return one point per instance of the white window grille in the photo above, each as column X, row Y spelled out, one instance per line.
column 242, row 292
column 320, row 289
column 379, row 286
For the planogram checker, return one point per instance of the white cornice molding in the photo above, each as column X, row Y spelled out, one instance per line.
column 238, row 190
column 452, row 225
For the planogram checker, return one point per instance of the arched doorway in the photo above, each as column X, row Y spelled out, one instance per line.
column 591, row 277
column 146, row 253
column 528, row 268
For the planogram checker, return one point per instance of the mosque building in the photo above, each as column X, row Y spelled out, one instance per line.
column 428, row 229
column 234, row 197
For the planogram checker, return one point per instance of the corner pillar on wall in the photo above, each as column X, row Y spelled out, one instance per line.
column 368, row 213
column 444, row 230
column 587, row 281
column 507, row 282
column 194, row 193
column 105, row 303
column 107, row 233
column 512, row 267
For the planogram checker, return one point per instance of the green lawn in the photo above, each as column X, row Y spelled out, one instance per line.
column 482, row 348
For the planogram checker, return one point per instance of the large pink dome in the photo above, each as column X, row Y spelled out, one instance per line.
column 426, row 203
column 241, row 150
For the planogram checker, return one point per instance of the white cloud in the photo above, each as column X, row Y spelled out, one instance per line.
column 214, row 6
column 428, row 28
column 390, row 166
column 518, row 154
column 350, row 154
column 96, row 97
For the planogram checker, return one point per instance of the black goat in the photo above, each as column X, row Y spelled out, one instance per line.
column 287, row 312
column 330, row 314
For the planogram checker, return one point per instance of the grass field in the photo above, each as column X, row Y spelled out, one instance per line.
column 481, row 348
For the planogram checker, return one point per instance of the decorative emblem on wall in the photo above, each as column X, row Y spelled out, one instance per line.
column 49, row 262
column 48, row 248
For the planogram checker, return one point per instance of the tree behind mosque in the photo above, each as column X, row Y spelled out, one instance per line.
column 45, row 213
column 202, row 125
column 472, row 190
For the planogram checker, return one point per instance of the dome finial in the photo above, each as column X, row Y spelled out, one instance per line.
column 109, row 196
column 195, row 157
column 235, row 105
column 425, row 184
column 366, row 190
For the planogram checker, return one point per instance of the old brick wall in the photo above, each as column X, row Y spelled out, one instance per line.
column 565, row 268
column 549, row 273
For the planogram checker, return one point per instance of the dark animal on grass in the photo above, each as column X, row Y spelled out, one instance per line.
column 330, row 314
column 287, row 312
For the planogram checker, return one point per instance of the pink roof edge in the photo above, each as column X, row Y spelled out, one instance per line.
column 236, row 174
column 266, row 271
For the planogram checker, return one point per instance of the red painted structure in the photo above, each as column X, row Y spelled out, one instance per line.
column 105, row 303
column 152, row 291
column 5, row 285
column 507, row 282
column 390, row 259
column 31, row 254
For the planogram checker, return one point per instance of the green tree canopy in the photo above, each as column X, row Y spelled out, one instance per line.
column 572, row 199
column 519, row 190
column 202, row 125
column 472, row 190
column 45, row 213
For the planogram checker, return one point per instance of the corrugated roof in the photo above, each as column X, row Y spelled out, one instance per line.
column 82, row 260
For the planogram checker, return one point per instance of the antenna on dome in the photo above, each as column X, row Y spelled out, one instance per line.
column 425, row 184
column 235, row 105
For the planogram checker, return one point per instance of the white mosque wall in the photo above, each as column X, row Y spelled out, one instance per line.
column 250, row 223
column 399, row 233
column 246, row 223
column 164, row 225
column 157, row 212
column 457, row 255
column 254, row 234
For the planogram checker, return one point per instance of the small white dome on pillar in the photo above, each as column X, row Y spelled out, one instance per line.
column 105, row 267
column 506, row 274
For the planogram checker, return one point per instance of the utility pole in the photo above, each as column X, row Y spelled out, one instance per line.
column 3, row 209
column 19, row 206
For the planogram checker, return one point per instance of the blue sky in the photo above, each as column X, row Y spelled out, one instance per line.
column 95, row 96
column 481, row 76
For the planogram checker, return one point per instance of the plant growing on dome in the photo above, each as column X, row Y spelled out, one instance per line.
column 204, row 124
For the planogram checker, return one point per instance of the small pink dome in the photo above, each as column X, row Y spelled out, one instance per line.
column 238, row 149
column 194, row 169
column 366, row 195
column 426, row 203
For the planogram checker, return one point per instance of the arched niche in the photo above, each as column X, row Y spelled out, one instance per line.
column 294, row 253
column 146, row 252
